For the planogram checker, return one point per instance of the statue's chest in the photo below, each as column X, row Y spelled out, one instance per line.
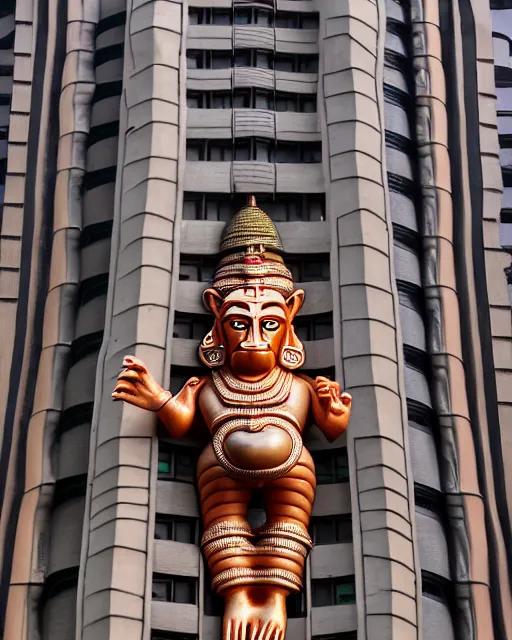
column 216, row 410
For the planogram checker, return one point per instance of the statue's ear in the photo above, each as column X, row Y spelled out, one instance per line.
column 295, row 302
column 292, row 354
column 212, row 301
column 211, row 349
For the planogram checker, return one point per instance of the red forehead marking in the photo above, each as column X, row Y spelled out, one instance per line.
column 253, row 260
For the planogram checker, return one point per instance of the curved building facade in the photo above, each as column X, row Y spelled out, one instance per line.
column 375, row 135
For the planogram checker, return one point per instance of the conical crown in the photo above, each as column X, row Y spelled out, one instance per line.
column 250, row 247
column 250, row 227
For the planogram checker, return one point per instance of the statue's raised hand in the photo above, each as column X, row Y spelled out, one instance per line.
column 330, row 397
column 138, row 387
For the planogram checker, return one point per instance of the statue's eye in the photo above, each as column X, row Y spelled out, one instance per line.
column 270, row 325
column 238, row 325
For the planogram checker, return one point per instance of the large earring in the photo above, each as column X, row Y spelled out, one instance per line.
column 292, row 354
column 211, row 353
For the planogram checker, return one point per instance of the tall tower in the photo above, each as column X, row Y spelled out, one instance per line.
column 131, row 131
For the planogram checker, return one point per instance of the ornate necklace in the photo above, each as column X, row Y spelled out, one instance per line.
column 272, row 390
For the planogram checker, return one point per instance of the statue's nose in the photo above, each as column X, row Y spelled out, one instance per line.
column 255, row 340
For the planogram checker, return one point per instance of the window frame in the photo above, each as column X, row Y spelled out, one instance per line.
column 310, row 324
column 172, row 453
column 170, row 582
column 335, row 462
column 333, row 584
column 338, row 537
column 198, row 325
column 171, row 523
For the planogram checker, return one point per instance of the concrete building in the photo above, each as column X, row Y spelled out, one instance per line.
column 372, row 132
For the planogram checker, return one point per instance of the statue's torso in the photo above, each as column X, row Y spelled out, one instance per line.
column 256, row 433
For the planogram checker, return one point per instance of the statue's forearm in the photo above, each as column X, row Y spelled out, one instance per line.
column 332, row 426
column 177, row 416
column 179, row 412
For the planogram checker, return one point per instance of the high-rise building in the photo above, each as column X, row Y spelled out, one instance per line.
column 372, row 133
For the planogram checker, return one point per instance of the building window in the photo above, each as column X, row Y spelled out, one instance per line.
column 298, row 152
column 326, row 593
column 221, row 17
column 197, row 268
column 209, row 59
column 428, row 499
column 259, row 58
column 296, row 63
column 282, row 207
column 313, row 268
column 190, row 326
column 195, row 99
column 176, row 529
column 436, row 587
column 258, row 149
column 252, row 99
column 257, row 16
column 177, row 463
column 174, row 589
column 194, row 60
column 295, row 102
column 219, row 150
column 253, row 58
column 318, row 327
column 295, row 207
column 218, row 60
column 331, row 466
column 290, row 20
column 296, row 605
column 331, row 529
column 195, row 150
column 198, row 15
column 221, row 100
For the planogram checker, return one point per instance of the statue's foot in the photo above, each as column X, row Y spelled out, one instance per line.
column 255, row 613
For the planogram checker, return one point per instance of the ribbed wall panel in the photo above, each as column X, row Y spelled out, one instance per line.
column 402, row 176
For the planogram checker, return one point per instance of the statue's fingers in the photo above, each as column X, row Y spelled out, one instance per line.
column 129, row 374
column 346, row 398
column 322, row 380
column 134, row 363
column 122, row 395
column 126, row 386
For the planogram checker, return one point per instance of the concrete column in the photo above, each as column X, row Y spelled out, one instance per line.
column 368, row 343
column 114, row 593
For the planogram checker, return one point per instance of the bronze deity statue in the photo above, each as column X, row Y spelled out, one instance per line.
column 255, row 408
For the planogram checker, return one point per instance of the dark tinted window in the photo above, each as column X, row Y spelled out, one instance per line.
column 175, row 589
column 177, row 463
column 177, row 529
column 331, row 529
column 326, row 593
column 331, row 466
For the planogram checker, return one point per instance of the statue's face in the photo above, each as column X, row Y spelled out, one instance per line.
column 254, row 323
column 253, row 331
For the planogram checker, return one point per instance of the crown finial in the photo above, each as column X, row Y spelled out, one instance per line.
column 252, row 202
